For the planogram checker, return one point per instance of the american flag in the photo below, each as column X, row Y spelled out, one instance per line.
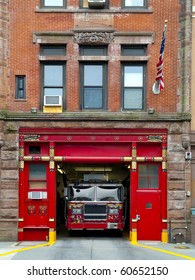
column 159, row 83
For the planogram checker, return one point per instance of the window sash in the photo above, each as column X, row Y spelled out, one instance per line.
column 93, row 50
column 133, row 87
column 133, row 76
column 148, row 176
column 53, row 79
column 53, row 75
column 93, row 85
column 93, row 75
column 133, row 50
column 37, row 171
column 93, row 97
column 20, row 87
column 133, row 98
column 53, row 50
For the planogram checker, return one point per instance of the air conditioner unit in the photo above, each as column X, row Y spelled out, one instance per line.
column 52, row 100
column 97, row 4
column 37, row 195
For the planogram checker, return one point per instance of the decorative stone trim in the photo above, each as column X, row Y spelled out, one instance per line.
column 94, row 38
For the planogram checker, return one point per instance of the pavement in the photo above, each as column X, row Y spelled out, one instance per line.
column 96, row 257
column 65, row 249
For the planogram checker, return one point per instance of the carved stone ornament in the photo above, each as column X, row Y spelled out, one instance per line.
column 94, row 38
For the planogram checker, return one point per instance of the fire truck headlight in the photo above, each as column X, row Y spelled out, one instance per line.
column 113, row 211
column 76, row 211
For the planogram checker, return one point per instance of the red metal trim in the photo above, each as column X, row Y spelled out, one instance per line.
column 132, row 193
column 86, row 159
column 52, row 197
column 108, row 135
column 107, row 131
column 21, row 204
column 164, row 191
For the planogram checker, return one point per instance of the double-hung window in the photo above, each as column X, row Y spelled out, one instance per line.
column 133, row 78
column 93, row 79
column 53, row 75
column 53, row 83
column 133, row 87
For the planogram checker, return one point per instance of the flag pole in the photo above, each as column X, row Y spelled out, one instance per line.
column 159, row 82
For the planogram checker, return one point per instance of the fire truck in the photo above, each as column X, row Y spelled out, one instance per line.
column 95, row 206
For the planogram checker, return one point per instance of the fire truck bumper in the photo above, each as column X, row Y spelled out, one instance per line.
column 95, row 226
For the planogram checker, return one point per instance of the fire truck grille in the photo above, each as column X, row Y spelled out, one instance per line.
column 96, row 217
column 95, row 212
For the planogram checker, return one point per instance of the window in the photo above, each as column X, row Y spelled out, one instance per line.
column 20, row 87
column 134, row 50
column 134, row 3
column 53, row 71
column 53, row 3
column 37, row 176
column 34, row 150
column 133, row 86
column 53, row 50
column 93, row 78
column 133, row 77
column 53, row 82
column 148, row 176
column 93, row 86
column 93, row 50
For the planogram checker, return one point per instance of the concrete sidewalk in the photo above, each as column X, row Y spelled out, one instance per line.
column 183, row 250
column 9, row 250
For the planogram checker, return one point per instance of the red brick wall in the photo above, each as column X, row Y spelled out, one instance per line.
column 3, row 50
column 24, row 54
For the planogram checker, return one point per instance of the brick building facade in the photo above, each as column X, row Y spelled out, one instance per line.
column 193, row 126
column 99, row 64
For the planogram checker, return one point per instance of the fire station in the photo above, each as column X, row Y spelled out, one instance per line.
column 77, row 104
column 42, row 150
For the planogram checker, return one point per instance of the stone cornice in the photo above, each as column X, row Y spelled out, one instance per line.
column 96, row 116
column 83, row 35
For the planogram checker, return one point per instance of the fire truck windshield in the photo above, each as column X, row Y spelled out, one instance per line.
column 105, row 193
column 82, row 193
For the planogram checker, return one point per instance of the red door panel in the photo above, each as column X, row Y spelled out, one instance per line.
column 36, row 213
column 149, row 213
